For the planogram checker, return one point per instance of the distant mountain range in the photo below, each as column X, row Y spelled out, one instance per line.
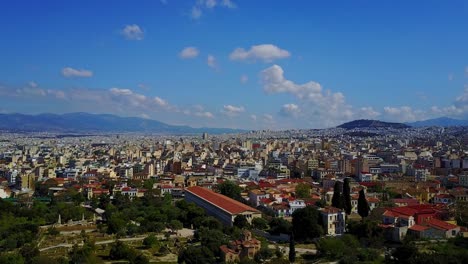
column 441, row 121
column 364, row 123
column 89, row 123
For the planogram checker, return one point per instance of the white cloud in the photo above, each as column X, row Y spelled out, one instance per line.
column 244, row 79
column 189, row 53
column 210, row 3
column 323, row 106
column 133, row 32
column 231, row 110
column 402, row 114
column 204, row 114
column 118, row 91
column 368, row 113
column 70, row 72
column 263, row 52
column 145, row 116
column 211, row 61
column 57, row 93
column 33, row 84
column 200, row 5
column 268, row 118
column 290, row 110
column 198, row 111
column 253, row 117
column 228, row 4
column 274, row 82
column 160, row 102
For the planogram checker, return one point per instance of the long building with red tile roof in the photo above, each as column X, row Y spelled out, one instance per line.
column 217, row 205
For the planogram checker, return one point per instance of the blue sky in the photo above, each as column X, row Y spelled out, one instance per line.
column 242, row 64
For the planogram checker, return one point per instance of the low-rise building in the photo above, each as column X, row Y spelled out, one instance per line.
column 217, row 205
column 334, row 220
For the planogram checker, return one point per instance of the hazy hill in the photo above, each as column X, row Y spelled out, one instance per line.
column 441, row 121
column 85, row 122
column 364, row 123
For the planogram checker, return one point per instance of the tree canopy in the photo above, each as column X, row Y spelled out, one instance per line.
column 303, row 190
column 230, row 189
column 347, row 196
column 363, row 205
column 305, row 224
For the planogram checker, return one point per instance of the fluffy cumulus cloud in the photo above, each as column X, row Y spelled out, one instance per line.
column 201, row 5
column 231, row 110
column 211, row 61
column 326, row 108
column 263, row 52
column 458, row 109
column 189, row 53
column 368, row 113
column 290, row 110
column 402, row 114
column 133, row 32
column 69, row 72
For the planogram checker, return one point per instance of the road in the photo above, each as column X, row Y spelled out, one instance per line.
column 181, row 233
column 285, row 249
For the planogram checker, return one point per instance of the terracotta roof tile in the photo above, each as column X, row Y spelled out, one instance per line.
column 230, row 205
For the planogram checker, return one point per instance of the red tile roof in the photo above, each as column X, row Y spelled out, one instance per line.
column 439, row 224
column 418, row 228
column 227, row 204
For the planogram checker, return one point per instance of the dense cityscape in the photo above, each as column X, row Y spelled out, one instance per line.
column 233, row 131
column 355, row 195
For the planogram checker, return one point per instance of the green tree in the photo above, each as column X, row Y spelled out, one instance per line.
column 305, row 224
column 279, row 226
column 196, row 255
column 292, row 249
column 211, row 239
column 175, row 225
column 230, row 189
column 241, row 222
column 363, row 205
column 321, row 203
column 11, row 258
column 368, row 232
column 303, row 190
column 84, row 255
column 150, row 241
column 337, row 199
column 347, row 196
column 29, row 252
column 335, row 248
column 260, row 223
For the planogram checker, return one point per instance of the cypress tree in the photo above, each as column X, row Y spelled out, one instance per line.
column 347, row 196
column 292, row 248
column 363, row 206
column 337, row 199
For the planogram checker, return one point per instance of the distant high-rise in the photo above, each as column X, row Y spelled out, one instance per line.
column 205, row 136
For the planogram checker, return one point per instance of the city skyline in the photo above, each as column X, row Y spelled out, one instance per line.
column 237, row 64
